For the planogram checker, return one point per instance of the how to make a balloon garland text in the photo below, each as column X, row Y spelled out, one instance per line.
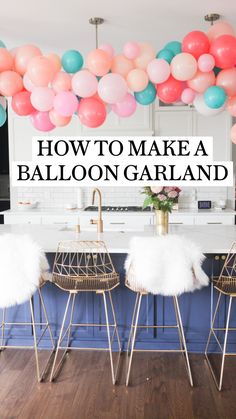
column 122, row 161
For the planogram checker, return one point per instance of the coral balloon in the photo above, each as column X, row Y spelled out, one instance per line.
column 61, row 82
column 40, row 71
column 146, row 55
column 99, row 62
column 233, row 133
column 121, row 65
column 147, row 96
column 27, row 83
column 3, row 116
column 206, row 63
column 188, row 96
column 65, row 103
column 21, row 104
column 223, row 49
column 72, row 61
column 41, row 121
column 196, row 43
column 125, row 108
column 10, row 83
column 201, row 81
column 227, row 80
column 232, row 106
column 183, row 66
column 158, row 70
column 84, row 83
column 218, row 29
column 170, row 91
column 131, row 50
column 6, row 60
column 91, row 112
column 215, row 97
column 42, row 98
column 203, row 109
column 55, row 62
column 112, row 88
column 108, row 48
column 137, row 80
column 23, row 56
column 58, row 120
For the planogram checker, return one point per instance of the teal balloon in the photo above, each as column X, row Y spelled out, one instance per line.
column 3, row 116
column 146, row 96
column 72, row 61
column 215, row 97
column 166, row 54
column 217, row 70
column 2, row 45
column 174, row 46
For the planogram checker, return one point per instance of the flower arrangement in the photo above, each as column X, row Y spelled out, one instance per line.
column 161, row 197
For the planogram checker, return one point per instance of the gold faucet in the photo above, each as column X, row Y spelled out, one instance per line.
column 99, row 221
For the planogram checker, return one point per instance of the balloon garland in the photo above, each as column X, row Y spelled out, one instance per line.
column 49, row 90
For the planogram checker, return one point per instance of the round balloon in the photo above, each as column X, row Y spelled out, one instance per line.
column 10, row 83
column 108, row 48
column 61, row 82
column 201, row 81
column 170, row 91
column 218, row 29
column 125, row 108
column 196, row 43
column 40, row 71
column 112, row 88
column 58, row 120
column 42, row 98
column 27, row 83
column 183, row 66
column 23, row 56
column 145, row 55
column 203, row 109
column 55, row 62
column 98, row 62
column 166, row 54
column 6, row 60
column 146, row 96
column 3, row 116
column 3, row 102
column 91, row 112
column 21, row 103
column 206, row 63
column 188, row 96
column 72, row 61
column 65, row 103
column 232, row 106
column 174, row 46
column 223, row 50
column 158, row 70
column 215, row 97
column 227, row 80
column 233, row 133
column 84, row 83
column 137, row 80
column 121, row 65
column 131, row 50
column 41, row 121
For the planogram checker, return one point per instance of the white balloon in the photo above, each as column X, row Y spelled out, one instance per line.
column 203, row 109
column 3, row 102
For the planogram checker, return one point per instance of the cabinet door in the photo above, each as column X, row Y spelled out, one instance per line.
column 214, row 219
column 181, row 219
column 67, row 220
column 22, row 219
column 116, row 222
column 173, row 123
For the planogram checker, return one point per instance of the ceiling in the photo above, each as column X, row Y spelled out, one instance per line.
column 57, row 25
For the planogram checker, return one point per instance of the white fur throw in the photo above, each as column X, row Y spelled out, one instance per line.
column 22, row 264
column 167, row 265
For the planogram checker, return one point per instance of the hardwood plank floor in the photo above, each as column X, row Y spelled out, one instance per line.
column 159, row 388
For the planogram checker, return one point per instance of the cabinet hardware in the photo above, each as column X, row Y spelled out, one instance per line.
column 116, row 223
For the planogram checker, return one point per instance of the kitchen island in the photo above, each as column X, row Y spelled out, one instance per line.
column 214, row 240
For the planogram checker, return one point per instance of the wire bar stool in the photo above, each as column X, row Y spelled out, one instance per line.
column 85, row 266
column 225, row 284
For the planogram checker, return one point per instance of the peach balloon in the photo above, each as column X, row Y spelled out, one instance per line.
column 10, row 83
column 121, row 65
column 58, row 120
column 137, row 80
column 218, row 29
column 227, row 79
column 233, row 133
column 183, row 66
column 98, row 62
column 23, row 56
column 232, row 105
column 146, row 54
column 55, row 61
column 40, row 71
column 61, row 82
column 107, row 48
column 6, row 60
column 201, row 81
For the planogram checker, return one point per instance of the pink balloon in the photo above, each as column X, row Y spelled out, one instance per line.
column 201, row 81
column 232, row 106
column 6, row 60
column 23, row 56
column 227, row 79
column 112, row 88
column 42, row 98
column 98, row 62
column 55, row 61
column 121, row 65
column 188, row 96
column 61, row 82
column 233, row 133
column 131, row 50
column 137, row 80
column 183, row 66
column 41, row 121
column 40, row 71
column 206, row 63
column 146, row 55
column 126, row 107
column 10, row 83
column 28, row 85
column 58, row 120
column 108, row 48
column 84, row 83
column 65, row 103
column 218, row 29
column 158, row 70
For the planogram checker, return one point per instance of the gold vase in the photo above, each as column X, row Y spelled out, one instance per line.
column 162, row 220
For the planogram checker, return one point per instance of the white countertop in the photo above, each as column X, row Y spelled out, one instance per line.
column 212, row 238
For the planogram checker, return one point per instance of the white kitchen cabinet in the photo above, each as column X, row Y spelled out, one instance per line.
column 181, row 219
column 67, row 220
column 22, row 219
column 116, row 222
column 214, row 219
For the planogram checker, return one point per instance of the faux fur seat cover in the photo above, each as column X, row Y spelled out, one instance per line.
column 22, row 264
column 167, row 265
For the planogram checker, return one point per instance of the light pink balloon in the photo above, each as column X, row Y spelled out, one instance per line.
column 61, row 82
column 126, row 107
column 220, row 28
column 84, row 83
column 146, row 55
column 131, row 50
column 107, row 48
column 188, row 96
column 27, row 83
column 158, row 70
column 183, row 66
column 58, row 120
column 65, row 103
column 206, row 63
column 233, row 133
column 41, row 121
column 112, row 88
column 201, row 81
column 42, row 98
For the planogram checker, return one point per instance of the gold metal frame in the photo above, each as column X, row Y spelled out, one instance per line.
column 40, row 374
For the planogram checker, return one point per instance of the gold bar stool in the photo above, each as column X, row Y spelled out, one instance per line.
column 225, row 284
column 18, row 251
column 85, row 266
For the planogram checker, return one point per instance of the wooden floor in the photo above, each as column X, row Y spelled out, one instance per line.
column 159, row 389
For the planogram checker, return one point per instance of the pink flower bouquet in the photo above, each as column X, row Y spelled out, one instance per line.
column 161, row 197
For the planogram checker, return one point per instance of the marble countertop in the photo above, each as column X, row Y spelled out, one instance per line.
column 213, row 239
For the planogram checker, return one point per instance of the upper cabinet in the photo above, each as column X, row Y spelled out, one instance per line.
column 173, row 122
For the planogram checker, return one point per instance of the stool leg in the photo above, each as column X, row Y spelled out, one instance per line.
column 225, row 343
column 212, row 324
column 133, row 337
column 3, row 328
column 114, row 319
column 180, row 327
column 35, row 339
column 132, row 322
column 113, row 373
column 46, row 318
column 71, row 320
